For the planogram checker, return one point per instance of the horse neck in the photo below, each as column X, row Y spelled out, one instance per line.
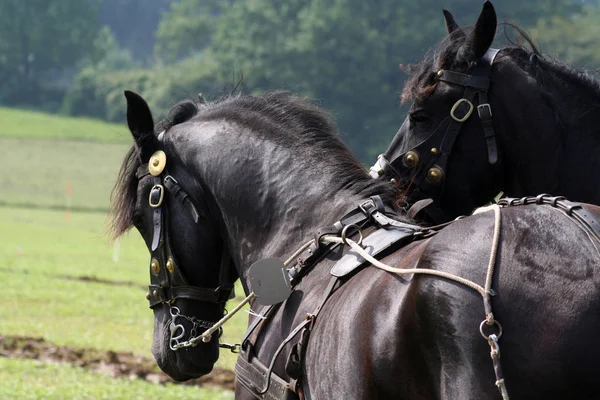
column 280, row 226
column 270, row 210
column 550, row 148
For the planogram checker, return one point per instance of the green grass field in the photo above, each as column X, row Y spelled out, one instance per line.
column 42, row 253
column 30, row 379
column 22, row 124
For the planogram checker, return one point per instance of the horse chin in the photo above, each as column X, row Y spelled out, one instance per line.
column 185, row 363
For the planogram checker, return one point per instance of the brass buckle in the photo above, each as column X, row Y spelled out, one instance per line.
column 160, row 199
column 467, row 115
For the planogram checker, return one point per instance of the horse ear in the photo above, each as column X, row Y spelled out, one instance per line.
column 141, row 123
column 480, row 40
column 451, row 24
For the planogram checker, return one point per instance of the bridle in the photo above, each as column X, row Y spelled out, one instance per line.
column 167, row 282
column 425, row 164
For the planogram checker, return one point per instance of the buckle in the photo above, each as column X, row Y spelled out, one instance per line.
column 487, row 108
column 467, row 114
column 368, row 207
column 161, row 195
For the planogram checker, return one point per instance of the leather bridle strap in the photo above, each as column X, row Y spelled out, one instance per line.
column 167, row 282
column 476, row 84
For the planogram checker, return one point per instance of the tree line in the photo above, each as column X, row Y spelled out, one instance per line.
column 76, row 56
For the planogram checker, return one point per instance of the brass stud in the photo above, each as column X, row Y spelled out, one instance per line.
column 411, row 159
column 393, row 180
column 157, row 163
column 440, row 73
column 434, row 151
column 435, row 175
column 170, row 265
column 155, row 293
column 148, row 296
column 155, row 266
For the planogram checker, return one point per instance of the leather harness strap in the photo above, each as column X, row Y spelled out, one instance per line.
column 271, row 385
column 575, row 211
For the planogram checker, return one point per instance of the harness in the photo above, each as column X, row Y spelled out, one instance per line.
column 263, row 383
column 425, row 164
column 259, row 378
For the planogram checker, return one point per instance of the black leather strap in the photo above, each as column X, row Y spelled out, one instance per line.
column 249, row 373
column 259, row 379
column 472, row 81
column 576, row 211
column 180, row 195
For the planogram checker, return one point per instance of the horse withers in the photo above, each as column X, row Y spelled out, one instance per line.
column 233, row 182
column 486, row 120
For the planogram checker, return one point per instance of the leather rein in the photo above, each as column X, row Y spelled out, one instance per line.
column 425, row 164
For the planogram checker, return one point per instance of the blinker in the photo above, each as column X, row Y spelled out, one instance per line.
column 157, row 163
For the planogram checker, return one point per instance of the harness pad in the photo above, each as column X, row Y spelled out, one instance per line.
column 374, row 244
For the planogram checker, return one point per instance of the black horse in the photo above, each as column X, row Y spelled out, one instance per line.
column 249, row 178
column 522, row 123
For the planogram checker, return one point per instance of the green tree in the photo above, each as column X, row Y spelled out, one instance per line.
column 38, row 40
column 187, row 27
column 134, row 23
column 572, row 38
column 346, row 53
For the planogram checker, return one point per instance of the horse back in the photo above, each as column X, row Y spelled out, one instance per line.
column 418, row 336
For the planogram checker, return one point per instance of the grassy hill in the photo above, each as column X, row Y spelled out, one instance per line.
column 43, row 154
column 64, row 281
column 25, row 124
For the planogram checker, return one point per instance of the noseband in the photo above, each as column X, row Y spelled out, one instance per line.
column 167, row 282
column 425, row 164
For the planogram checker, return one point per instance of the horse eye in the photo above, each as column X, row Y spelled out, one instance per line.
column 419, row 116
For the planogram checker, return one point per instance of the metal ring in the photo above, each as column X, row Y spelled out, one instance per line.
column 467, row 115
column 345, row 239
column 160, row 199
column 486, row 337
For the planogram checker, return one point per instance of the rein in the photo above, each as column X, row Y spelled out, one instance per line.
column 425, row 164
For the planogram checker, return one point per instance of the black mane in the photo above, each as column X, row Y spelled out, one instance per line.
column 278, row 115
column 423, row 74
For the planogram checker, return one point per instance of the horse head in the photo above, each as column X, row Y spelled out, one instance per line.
column 190, row 268
column 478, row 123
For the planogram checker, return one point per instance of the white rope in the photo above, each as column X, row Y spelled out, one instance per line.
column 494, row 250
column 298, row 252
column 206, row 336
column 401, row 271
